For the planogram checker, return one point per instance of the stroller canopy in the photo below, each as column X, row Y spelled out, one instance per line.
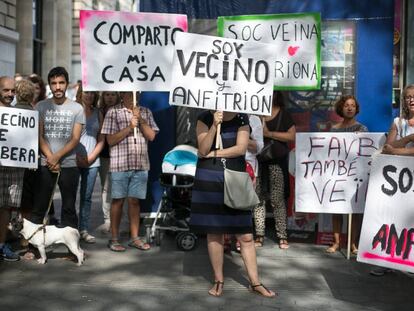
column 182, row 159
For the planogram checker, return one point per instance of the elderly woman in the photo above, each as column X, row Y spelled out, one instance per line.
column 209, row 214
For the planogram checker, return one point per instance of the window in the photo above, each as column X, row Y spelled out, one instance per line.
column 37, row 36
column 313, row 111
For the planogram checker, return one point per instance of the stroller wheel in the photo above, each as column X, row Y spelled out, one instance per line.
column 186, row 241
column 157, row 237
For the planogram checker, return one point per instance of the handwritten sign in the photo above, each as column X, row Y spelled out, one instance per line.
column 332, row 171
column 124, row 51
column 222, row 74
column 387, row 235
column 297, row 45
column 19, row 130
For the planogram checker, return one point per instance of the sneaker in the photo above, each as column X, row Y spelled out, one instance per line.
column 380, row 271
column 7, row 254
column 87, row 237
column 104, row 228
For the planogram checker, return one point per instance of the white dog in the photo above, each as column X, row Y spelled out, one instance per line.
column 42, row 238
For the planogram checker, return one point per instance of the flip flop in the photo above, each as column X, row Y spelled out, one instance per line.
column 138, row 244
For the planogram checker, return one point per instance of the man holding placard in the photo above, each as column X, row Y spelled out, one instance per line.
column 11, row 178
column 128, row 129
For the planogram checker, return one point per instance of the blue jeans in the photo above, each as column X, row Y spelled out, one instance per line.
column 88, row 178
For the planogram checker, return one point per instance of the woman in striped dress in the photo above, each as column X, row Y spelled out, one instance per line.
column 208, row 213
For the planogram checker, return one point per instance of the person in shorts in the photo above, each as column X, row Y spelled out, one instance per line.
column 129, row 164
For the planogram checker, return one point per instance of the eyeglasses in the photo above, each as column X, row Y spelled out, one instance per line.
column 409, row 98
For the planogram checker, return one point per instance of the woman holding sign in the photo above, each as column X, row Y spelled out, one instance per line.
column 400, row 140
column 273, row 184
column 347, row 107
column 401, row 135
column 209, row 214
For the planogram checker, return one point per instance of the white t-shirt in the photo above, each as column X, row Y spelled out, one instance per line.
column 257, row 135
column 403, row 129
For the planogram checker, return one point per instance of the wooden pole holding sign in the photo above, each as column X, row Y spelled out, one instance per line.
column 348, row 249
column 219, row 142
column 134, row 100
column 218, row 137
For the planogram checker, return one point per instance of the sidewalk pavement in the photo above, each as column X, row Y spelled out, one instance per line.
column 165, row 278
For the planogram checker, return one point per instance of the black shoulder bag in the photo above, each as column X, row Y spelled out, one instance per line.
column 274, row 149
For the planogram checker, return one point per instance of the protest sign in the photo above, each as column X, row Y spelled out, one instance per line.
column 123, row 51
column 19, row 138
column 222, row 74
column 297, row 44
column 332, row 171
column 387, row 234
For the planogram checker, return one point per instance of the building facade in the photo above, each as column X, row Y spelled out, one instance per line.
column 36, row 35
column 9, row 37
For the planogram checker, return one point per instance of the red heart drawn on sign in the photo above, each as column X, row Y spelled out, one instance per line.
column 292, row 50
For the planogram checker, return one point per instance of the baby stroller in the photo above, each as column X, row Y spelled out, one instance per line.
column 173, row 214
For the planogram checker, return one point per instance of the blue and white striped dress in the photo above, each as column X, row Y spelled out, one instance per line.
column 208, row 212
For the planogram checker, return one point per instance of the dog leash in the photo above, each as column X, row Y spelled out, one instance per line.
column 46, row 218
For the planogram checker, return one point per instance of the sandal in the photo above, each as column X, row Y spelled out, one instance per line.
column 29, row 255
column 215, row 290
column 332, row 249
column 283, row 244
column 253, row 289
column 354, row 250
column 115, row 246
column 138, row 244
column 259, row 241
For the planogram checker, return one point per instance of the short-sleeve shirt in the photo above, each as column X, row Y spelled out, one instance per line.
column 127, row 154
column 58, row 122
column 357, row 127
column 88, row 139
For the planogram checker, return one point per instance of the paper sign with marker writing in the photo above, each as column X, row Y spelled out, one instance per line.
column 19, row 138
column 332, row 171
column 387, row 235
column 222, row 74
column 297, row 44
column 123, row 51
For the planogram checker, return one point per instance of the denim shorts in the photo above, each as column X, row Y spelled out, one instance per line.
column 129, row 184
